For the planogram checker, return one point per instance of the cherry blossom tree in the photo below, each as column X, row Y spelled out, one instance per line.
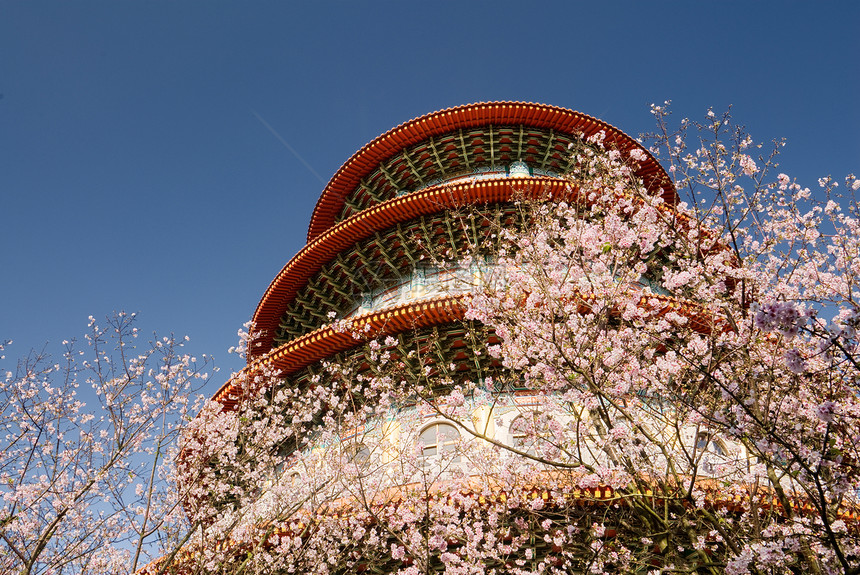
column 638, row 386
column 695, row 337
column 88, row 440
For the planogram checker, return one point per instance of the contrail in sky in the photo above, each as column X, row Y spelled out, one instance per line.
column 289, row 147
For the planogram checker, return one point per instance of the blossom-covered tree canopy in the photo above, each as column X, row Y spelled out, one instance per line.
column 580, row 374
column 634, row 385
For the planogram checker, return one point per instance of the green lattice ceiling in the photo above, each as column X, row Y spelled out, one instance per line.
column 456, row 154
column 379, row 261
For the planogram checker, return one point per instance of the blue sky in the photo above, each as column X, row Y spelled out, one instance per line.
column 136, row 174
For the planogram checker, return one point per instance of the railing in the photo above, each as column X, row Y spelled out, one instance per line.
column 422, row 283
column 515, row 170
column 426, row 282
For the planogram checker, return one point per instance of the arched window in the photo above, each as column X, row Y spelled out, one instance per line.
column 711, row 451
column 284, row 455
column 439, row 439
column 358, row 454
column 706, row 443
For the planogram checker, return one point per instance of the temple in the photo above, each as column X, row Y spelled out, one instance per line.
column 401, row 234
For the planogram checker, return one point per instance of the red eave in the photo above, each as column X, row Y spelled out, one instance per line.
column 296, row 273
column 328, row 341
column 347, row 233
column 391, row 142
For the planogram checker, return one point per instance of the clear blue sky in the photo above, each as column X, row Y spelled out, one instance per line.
column 135, row 175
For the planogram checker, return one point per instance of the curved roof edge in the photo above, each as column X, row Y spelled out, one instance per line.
column 362, row 225
column 466, row 116
column 328, row 340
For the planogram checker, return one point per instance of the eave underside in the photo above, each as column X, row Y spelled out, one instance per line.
column 453, row 141
column 359, row 240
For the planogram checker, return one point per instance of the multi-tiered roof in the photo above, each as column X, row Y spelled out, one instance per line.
column 401, row 184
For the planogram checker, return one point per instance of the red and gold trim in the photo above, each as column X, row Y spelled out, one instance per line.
column 328, row 341
column 365, row 160
column 324, row 248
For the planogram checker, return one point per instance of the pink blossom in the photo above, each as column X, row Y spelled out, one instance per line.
column 748, row 164
column 826, row 411
column 794, row 361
